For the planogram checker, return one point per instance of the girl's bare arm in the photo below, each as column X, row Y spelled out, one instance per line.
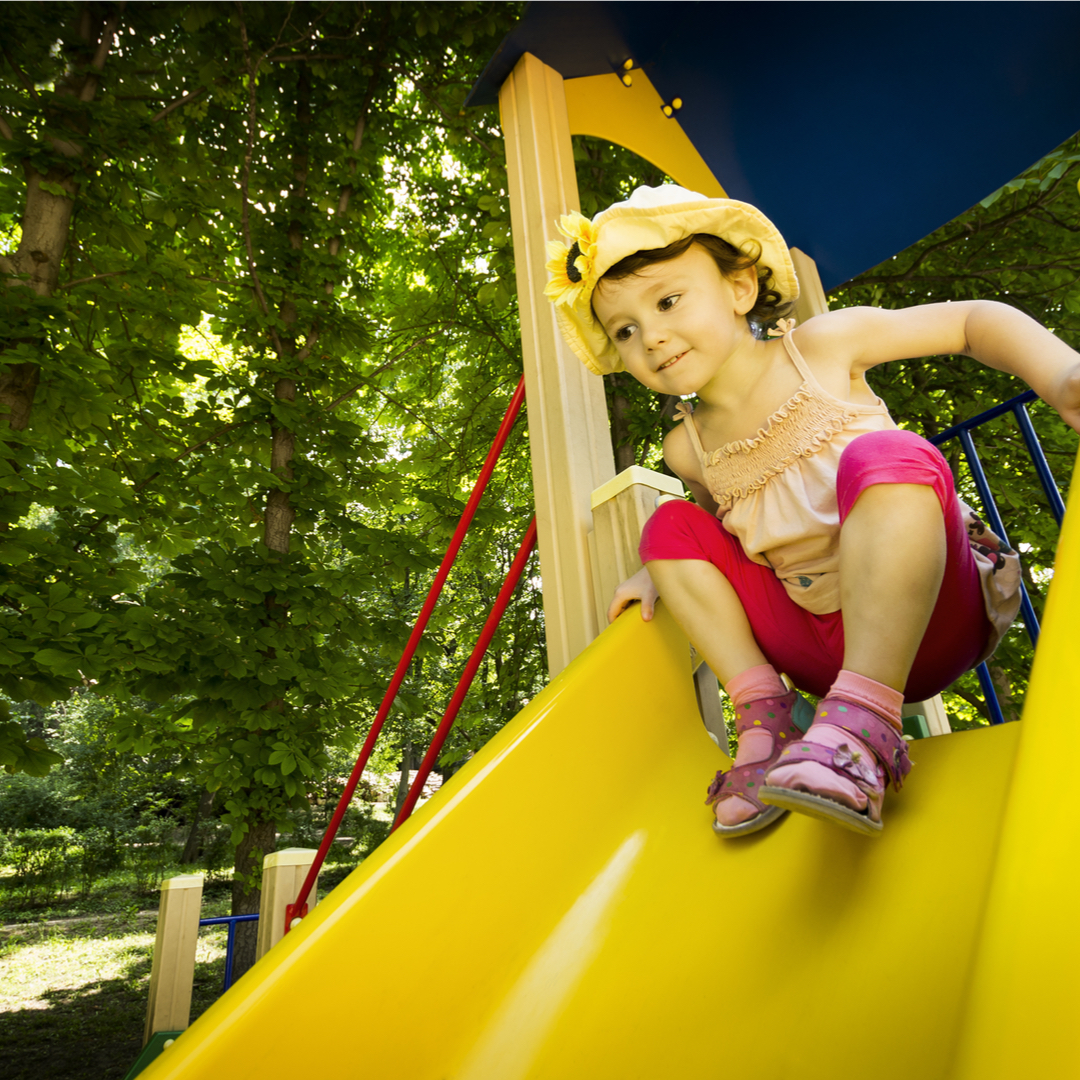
column 995, row 334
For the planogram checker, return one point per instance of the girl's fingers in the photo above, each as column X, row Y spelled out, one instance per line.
column 638, row 588
column 620, row 604
column 617, row 607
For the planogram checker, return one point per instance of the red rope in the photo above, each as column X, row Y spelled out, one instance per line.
column 498, row 609
column 299, row 909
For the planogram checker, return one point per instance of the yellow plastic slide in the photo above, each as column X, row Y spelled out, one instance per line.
column 562, row 910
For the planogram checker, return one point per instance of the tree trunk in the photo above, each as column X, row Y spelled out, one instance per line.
column 191, row 848
column 666, row 411
column 277, row 532
column 46, row 219
column 621, row 442
column 259, row 840
column 404, row 779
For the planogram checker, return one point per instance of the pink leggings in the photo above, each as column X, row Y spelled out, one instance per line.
column 810, row 648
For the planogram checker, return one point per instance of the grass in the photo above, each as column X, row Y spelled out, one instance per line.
column 73, row 992
column 75, row 973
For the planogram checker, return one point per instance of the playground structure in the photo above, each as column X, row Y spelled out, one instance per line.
column 583, row 921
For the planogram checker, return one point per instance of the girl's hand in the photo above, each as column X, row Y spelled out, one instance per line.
column 1064, row 395
column 639, row 587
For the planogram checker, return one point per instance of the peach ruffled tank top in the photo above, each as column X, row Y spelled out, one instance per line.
column 776, row 493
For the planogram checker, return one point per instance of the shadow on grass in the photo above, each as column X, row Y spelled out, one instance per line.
column 92, row 1032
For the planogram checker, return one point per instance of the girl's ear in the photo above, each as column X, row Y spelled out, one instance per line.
column 744, row 284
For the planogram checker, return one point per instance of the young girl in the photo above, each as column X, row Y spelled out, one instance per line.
column 826, row 543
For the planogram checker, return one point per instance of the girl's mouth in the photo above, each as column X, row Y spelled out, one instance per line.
column 673, row 360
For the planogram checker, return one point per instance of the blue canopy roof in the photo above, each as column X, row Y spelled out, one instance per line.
column 857, row 127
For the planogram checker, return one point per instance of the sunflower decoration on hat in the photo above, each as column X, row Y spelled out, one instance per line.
column 572, row 268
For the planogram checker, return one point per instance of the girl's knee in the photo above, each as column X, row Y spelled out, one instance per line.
column 890, row 457
column 679, row 530
column 893, row 446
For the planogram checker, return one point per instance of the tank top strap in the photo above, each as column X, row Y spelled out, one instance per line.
column 797, row 359
column 810, row 382
column 685, row 411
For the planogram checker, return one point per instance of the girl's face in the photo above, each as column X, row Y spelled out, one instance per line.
column 676, row 323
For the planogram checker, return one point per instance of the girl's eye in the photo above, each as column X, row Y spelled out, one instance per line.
column 668, row 302
column 624, row 333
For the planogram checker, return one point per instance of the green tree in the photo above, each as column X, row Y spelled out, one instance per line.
column 291, row 179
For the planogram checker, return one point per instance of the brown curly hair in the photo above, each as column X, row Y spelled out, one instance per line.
column 730, row 260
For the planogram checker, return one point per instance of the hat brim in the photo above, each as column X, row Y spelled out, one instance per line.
column 625, row 228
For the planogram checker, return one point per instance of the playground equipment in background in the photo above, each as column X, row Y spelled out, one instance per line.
column 963, row 432
column 168, row 1010
column 588, row 905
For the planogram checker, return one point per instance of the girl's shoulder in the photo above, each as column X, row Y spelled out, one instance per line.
column 863, row 337
column 832, row 333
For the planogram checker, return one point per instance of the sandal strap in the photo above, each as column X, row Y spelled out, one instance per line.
column 866, row 726
column 742, row 780
column 854, row 764
column 774, row 715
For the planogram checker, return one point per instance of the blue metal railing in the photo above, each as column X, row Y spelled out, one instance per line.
column 230, row 921
column 1018, row 407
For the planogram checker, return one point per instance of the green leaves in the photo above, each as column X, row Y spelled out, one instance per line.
column 138, row 558
column 21, row 754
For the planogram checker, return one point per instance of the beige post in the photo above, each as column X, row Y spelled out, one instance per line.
column 173, row 971
column 812, row 301
column 283, row 874
column 933, row 709
column 620, row 509
column 568, row 427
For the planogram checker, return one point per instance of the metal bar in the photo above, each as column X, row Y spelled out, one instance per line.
column 299, row 908
column 983, row 417
column 1031, row 621
column 979, row 476
column 990, row 693
column 230, row 941
column 229, row 945
column 1038, row 459
column 221, row 920
column 498, row 609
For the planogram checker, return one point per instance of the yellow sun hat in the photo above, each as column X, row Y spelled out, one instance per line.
column 650, row 219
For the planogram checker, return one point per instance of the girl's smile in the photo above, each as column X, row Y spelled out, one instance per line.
column 667, row 363
column 675, row 324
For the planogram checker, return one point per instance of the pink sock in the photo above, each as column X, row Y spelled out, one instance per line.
column 754, row 683
column 859, row 690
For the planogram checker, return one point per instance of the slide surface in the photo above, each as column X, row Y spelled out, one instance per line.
column 561, row 909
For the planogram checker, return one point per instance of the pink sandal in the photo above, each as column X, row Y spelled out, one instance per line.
column 775, row 715
column 875, row 756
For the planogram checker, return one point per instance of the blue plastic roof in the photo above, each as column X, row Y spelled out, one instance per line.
column 857, row 127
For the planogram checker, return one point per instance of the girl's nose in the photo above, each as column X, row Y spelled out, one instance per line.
column 653, row 336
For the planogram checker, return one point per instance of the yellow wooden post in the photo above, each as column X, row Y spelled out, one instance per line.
column 620, row 509
column 283, row 874
column 812, row 300
column 568, row 427
column 173, row 971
